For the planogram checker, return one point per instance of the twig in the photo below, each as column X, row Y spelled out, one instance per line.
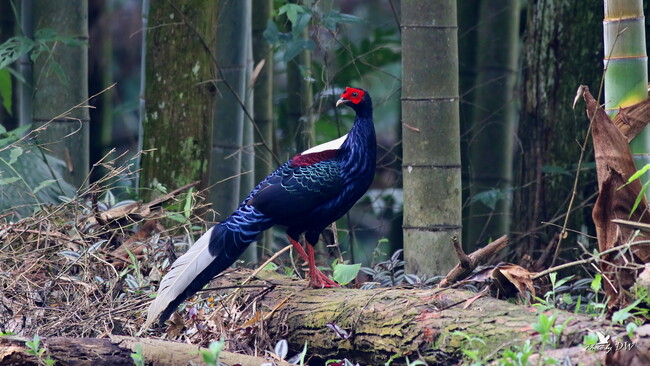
column 591, row 259
column 467, row 263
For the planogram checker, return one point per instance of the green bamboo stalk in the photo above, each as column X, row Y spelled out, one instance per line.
column 300, row 98
column 247, row 182
column 56, row 92
column 493, row 120
column 626, row 64
column 228, row 130
column 431, row 158
column 300, row 101
column 25, row 89
column 263, row 103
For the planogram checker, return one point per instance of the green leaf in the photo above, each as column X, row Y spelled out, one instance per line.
column 14, row 135
column 271, row 33
column 5, row 91
column 9, row 180
column 490, row 197
column 639, row 198
column 345, row 273
column 332, row 18
column 621, row 315
column 15, row 153
column 596, row 283
column 13, row 48
column 187, row 209
column 300, row 25
column 562, row 281
column 295, row 47
column 292, row 11
column 44, row 184
column 636, row 175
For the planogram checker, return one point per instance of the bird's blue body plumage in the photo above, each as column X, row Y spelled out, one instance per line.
column 305, row 194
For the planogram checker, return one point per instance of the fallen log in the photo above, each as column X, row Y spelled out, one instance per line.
column 116, row 351
column 373, row 326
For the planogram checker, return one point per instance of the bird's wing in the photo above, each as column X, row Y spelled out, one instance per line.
column 300, row 185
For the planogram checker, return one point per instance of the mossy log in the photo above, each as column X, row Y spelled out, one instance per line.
column 377, row 325
column 115, row 351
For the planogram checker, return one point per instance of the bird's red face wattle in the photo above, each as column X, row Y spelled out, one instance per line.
column 353, row 95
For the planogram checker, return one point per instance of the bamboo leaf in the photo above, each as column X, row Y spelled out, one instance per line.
column 636, row 175
column 9, row 180
column 639, row 197
column 44, row 184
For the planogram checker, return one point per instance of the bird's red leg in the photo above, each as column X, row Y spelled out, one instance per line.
column 317, row 279
column 299, row 248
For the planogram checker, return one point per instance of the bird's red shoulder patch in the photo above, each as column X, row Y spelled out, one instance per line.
column 313, row 158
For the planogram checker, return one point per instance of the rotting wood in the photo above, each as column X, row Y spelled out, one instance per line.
column 381, row 323
column 116, row 351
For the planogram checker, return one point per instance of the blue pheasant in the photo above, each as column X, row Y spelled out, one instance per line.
column 306, row 194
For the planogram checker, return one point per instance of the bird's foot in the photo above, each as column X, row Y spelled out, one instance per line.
column 318, row 279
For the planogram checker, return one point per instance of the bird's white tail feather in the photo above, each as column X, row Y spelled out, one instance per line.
column 179, row 277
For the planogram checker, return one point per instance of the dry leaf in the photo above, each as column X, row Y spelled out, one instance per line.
column 508, row 276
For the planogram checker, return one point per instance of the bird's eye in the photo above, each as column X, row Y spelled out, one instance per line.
column 355, row 94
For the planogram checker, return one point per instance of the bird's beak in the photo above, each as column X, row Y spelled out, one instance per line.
column 340, row 101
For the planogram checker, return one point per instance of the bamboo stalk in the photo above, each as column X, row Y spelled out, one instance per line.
column 626, row 64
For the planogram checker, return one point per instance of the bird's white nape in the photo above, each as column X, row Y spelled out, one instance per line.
column 330, row 145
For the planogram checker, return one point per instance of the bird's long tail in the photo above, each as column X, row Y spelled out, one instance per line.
column 215, row 251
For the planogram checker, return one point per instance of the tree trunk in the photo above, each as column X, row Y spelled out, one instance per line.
column 227, row 138
column 61, row 82
column 178, row 92
column 116, row 350
column 431, row 161
column 493, row 121
column 382, row 323
column 559, row 54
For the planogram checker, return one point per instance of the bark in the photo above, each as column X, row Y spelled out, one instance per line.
column 431, row 146
column 178, row 93
column 560, row 53
column 116, row 350
column 61, row 83
column 493, row 120
column 383, row 323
